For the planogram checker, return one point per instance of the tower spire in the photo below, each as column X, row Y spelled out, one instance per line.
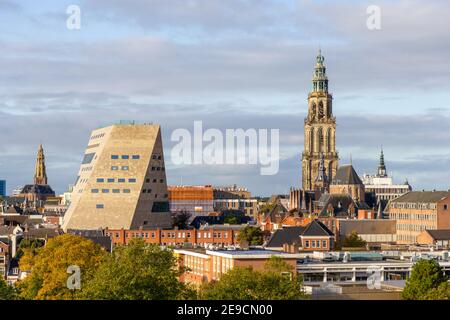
column 40, row 174
column 381, row 167
column 320, row 79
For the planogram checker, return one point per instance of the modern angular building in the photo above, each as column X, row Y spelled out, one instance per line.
column 122, row 181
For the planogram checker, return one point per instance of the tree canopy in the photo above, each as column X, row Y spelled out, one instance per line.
column 138, row 271
column 7, row 292
column 48, row 266
column 427, row 282
column 353, row 240
column 251, row 235
column 278, row 281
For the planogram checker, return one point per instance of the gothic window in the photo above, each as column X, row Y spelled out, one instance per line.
column 330, row 170
column 320, row 137
column 321, row 110
column 311, row 140
column 329, row 140
column 313, row 111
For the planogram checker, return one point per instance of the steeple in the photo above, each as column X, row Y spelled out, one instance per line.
column 320, row 79
column 321, row 181
column 381, row 167
column 40, row 175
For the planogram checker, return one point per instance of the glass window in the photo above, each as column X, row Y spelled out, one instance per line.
column 125, row 156
column 132, row 180
column 111, row 179
column 116, row 190
column 100, row 180
column 124, row 167
column 126, row 190
column 114, row 168
column 99, row 206
column 105, row 190
column 94, row 190
column 161, row 180
column 121, row 180
column 135, row 157
column 160, row 206
column 114, row 156
column 88, row 158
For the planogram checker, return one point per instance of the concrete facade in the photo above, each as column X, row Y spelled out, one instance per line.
column 121, row 181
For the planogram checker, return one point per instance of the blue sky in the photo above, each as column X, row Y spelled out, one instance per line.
column 232, row 64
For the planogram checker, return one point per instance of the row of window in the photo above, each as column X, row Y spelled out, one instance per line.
column 316, row 243
column 423, row 206
column 100, row 135
column 412, row 216
column 112, row 190
column 125, row 156
column 109, row 180
column 115, row 168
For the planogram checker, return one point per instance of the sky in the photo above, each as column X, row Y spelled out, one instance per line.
column 230, row 64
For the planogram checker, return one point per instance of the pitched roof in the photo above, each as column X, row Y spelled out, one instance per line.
column 423, row 196
column 287, row 235
column 439, row 234
column 278, row 211
column 339, row 202
column 38, row 189
column 317, row 228
column 346, row 175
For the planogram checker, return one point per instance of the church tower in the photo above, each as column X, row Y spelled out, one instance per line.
column 320, row 130
column 40, row 176
column 381, row 173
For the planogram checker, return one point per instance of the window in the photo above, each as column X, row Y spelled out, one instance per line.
column 125, row 156
column 88, row 158
column 105, row 190
column 100, row 180
column 147, row 180
column 161, row 180
column 121, row 180
column 114, row 156
column 114, row 168
column 160, row 206
column 307, row 244
column 324, row 243
column 445, row 206
column 99, row 206
column 132, row 180
column 144, row 190
column 111, row 179
column 124, row 167
column 154, row 157
column 116, row 190
column 153, row 168
column 159, row 157
column 154, row 180
column 126, row 190
column 135, row 157
column 94, row 190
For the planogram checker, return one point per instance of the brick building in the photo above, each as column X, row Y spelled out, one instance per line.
column 417, row 211
column 215, row 235
column 208, row 265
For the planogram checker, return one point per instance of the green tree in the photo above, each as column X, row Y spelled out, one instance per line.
column 231, row 220
column 353, row 240
column 31, row 244
column 48, row 266
column 278, row 281
column 427, row 282
column 7, row 292
column 180, row 219
column 251, row 235
column 138, row 271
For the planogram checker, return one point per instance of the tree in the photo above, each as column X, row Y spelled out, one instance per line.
column 251, row 235
column 277, row 281
column 48, row 266
column 138, row 271
column 353, row 240
column 31, row 244
column 231, row 220
column 7, row 292
column 180, row 219
column 427, row 282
